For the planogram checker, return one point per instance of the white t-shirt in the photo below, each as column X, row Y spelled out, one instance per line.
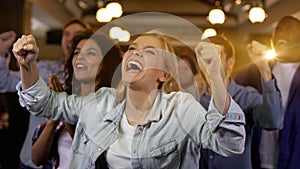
column 119, row 153
column 64, row 148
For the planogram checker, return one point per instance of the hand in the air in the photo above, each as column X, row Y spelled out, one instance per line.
column 25, row 50
column 256, row 52
column 208, row 55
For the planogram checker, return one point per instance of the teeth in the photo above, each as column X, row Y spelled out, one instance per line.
column 134, row 65
column 80, row 66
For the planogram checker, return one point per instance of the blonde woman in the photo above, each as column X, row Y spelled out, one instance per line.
column 142, row 124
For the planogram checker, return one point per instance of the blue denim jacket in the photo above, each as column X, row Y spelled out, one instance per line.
column 170, row 137
column 264, row 111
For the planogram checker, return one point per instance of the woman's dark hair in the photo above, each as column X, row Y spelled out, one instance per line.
column 112, row 57
column 78, row 21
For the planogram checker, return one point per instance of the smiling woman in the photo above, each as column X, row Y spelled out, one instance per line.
column 94, row 58
column 86, row 62
column 152, row 57
column 148, row 127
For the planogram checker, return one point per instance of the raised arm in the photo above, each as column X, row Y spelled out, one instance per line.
column 269, row 114
column 41, row 148
column 26, row 52
column 8, row 79
column 208, row 56
column 33, row 91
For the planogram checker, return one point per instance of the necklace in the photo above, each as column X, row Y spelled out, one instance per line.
column 137, row 122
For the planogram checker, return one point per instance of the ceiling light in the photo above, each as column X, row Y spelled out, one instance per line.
column 257, row 14
column 119, row 34
column 208, row 33
column 216, row 15
column 103, row 15
column 114, row 32
column 115, row 9
column 125, row 36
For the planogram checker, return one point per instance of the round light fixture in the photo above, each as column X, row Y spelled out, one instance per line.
column 103, row 15
column 115, row 9
column 216, row 16
column 208, row 33
column 257, row 14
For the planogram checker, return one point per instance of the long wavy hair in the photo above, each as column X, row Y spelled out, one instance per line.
column 108, row 69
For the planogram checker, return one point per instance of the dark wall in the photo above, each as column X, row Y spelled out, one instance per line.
column 11, row 15
column 11, row 139
column 12, row 18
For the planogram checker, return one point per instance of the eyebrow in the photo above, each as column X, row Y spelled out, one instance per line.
column 91, row 48
column 148, row 46
column 88, row 49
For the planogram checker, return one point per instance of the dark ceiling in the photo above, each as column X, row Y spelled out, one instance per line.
column 194, row 11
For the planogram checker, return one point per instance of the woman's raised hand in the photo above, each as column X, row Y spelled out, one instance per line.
column 208, row 56
column 25, row 50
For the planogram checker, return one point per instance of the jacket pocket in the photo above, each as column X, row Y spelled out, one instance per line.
column 80, row 139
column 166, row 155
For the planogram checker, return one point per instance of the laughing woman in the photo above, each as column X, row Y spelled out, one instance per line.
column 143, row 123
column 90, row 66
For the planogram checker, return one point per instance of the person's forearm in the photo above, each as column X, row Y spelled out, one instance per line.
column 219, row 93
column 29, row 75
column 42, row 147
column 265, row 73
column 8, row 78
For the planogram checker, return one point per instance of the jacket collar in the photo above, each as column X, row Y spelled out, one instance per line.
column 154, row 115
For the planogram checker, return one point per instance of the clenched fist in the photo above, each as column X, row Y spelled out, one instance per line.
column 208, row 55
column 257, row 51
column 25, row 50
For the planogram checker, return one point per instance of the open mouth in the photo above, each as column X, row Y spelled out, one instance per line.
column 134, row 65
column 80, row 66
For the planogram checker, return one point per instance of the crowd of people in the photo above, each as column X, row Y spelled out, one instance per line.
column 158, row 104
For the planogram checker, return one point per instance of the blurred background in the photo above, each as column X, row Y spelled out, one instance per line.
column 240, row 20
column 45, row 19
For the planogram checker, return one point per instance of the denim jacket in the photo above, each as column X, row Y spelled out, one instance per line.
column 170, row 137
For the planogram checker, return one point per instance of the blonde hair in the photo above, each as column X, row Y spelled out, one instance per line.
column 170, row 64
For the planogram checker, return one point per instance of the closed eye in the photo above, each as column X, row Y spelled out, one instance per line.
column 150, row 51
column 90, row 53
column 131, row 47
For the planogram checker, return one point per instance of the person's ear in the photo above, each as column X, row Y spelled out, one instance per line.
column 279, row 44
column 231, row 62
column 164, row 76
column 230, row 65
